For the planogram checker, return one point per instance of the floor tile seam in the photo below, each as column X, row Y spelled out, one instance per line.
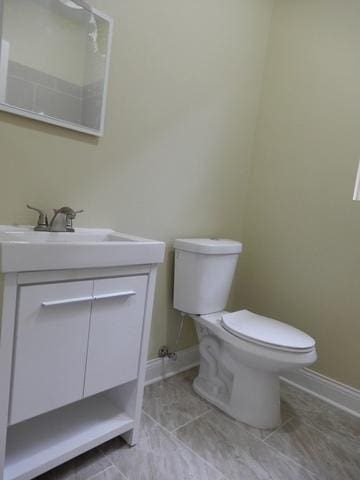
column 108, row 457
column 121, row 473
column 279, row 453
column 240, row 424
column 101, row 471
column 99, row 449
column 190, row 421
column 264, row 442
column 291, row 459
column 206, row 462
column 277, row 429
column 181, row 443
column 173, row 433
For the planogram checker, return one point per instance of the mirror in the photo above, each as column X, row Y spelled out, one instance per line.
column 54, row 62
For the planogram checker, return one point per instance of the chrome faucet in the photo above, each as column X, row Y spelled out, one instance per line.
column 68, row 215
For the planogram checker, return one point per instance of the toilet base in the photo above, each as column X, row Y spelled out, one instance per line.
column 248, row 394
column 254, row 398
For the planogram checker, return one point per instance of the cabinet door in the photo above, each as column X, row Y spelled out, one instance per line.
column 50, row 347
column 115, row 332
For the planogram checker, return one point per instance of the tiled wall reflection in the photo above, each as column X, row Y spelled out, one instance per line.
column 31, row 89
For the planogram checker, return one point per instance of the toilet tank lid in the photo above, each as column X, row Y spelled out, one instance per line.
column 212, row 246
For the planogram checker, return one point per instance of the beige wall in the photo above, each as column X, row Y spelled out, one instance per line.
column 184, row 88
column 303, row 229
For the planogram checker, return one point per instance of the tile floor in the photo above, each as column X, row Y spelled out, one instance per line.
column 183, row 438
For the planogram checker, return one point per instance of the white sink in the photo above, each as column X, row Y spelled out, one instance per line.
column 22, row 249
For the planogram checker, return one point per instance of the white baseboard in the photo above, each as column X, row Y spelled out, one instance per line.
column 161, row 368
column 336, row 393
column 329, row 390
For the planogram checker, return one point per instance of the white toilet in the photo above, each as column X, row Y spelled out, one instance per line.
column 241, row 354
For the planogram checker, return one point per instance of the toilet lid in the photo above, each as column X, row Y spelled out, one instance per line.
column 266, row 331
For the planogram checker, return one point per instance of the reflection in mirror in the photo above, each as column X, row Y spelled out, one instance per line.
column 54, row 62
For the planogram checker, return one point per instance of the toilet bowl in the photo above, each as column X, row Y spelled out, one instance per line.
column 241, row 375
column 242, row 354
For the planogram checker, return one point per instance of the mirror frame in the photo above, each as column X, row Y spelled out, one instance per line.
column 58, row 122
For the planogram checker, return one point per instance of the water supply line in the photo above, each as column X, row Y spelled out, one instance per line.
column 164, row 350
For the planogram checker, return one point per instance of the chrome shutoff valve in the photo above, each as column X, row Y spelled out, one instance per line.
column 164, row 353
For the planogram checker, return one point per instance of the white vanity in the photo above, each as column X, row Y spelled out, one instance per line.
column 75, row 321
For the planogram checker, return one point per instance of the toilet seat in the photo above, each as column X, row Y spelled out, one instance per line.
column 266, row 331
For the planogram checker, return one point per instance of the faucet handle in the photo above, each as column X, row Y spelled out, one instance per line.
column 70, row 215
column 77, row 211
column 42, row 223
column 69, row 212
column 69, row 219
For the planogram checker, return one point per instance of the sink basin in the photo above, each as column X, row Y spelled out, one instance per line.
column 22, row 249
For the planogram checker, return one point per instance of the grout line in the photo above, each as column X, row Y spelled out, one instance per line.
column 118, row 469
column 99, row 473
column 245, row 425
column 290, row 459
column 276, row 429
column 239, row 424
column 198, row 456
column 190, row 421
column 112, row 463
column 185, row 446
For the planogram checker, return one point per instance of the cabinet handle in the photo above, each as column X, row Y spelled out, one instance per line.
column 128, row 293
column 66, row 301
column 89, row 298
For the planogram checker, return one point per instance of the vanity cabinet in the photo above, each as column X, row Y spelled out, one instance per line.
column 73, row 340
column 73, row 347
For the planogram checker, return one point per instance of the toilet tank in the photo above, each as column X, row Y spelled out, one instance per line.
column 204, row 270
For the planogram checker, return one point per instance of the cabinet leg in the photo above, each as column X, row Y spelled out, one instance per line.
column 131, row 437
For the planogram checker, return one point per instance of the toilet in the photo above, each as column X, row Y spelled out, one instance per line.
column 242, row 354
